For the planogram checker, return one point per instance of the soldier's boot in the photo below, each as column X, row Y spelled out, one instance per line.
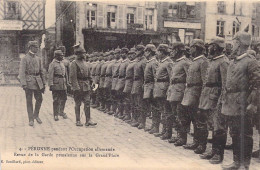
column 182, row 140
column 192, row 146
column 134, row 123
column 202, row 136
column 174, row 139
column 141, row 126
column 256, row 154
column 129, row 121
column 167, row 134
column 162, row 133
column 103, row 106
column 147, row 129
column 208, row 155
column 217, row 158
column 127, row 117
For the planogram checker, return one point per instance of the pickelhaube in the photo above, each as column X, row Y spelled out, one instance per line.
column 80, row 51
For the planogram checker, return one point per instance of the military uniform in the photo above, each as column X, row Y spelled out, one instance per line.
column 32, row 79
column 120, row 87
column 81, row 85
column 108, row 85
column 137, row 91
column 97, row 81
column 115, row 74
column 93, row 76
column 58, row 85
column 195, row 79
column 175, row 95
column 149, row 75
column 243, row 76
column 129, row 79
column 103, row 93
column 162, row 81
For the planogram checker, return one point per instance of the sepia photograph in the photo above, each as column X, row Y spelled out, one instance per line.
column 129, row 85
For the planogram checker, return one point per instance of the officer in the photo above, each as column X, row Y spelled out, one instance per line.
column 162, row 80
column 195, row 79
column 32, row 79
column 211, row 93
column 139, row 114
column 149, row 75
column 81, row 85
column 58, row 84
column 129, row 79
column 243, row 80
column 97, row 80
column 115, row 74
column 176, row 92
column 103, row 93
column 121, row 83
column 108, row 82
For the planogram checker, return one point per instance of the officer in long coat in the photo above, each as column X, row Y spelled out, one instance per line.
column 210, row 105
column 32, row 79
column 115, row 74
column 162, row 81
column 176, row 92
column 139, row 113
column 195, row 80
column 81, row 85
column 58, row 84
column 121, row 83
column 108, row 82
column 149, row 75
column 129, row 79
column 243, row 80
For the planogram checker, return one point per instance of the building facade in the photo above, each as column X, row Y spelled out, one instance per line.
column 181, row 21
column 226, row 18
column 20, row 22
column 101, row 26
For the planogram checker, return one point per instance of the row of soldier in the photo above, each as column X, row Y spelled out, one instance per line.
column 176, row 86
column 213, row 92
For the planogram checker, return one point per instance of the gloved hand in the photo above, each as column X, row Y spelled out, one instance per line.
column 43, row 89
column 51, row 87
column 24, row 87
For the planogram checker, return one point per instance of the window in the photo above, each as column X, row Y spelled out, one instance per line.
column 236, row 27
column 188, row 37
column 237, row 8
column 254, row 11
column 191, row 9
column 172, row 11
column 91, row 19
column 111, row 20
column 182, row 10
column 220, row 28
column 130, row 18
column 12, row 10
column 149, row 19
column 221, row 7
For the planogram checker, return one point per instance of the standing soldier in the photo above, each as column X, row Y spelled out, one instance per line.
column 58, row 84
column 32, row 80
column 81, row 85
column 209, row 106
column 149, row 74
column 176, row 92
column 162, row 80
column 115, row 73
column 108, row 82
column 195, row 79
column 103, row 93
column 121, row 83
column 97, row 80
column 129, row 79
column 139, row 114
column 243, row 80
column 93, row 76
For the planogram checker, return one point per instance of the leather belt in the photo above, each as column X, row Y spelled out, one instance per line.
column 59, row 76
column 121, row 77
column 108, row 76
column 129, row 78
column 194, row 84
column 36, row 74
column 213, row 85
column 162, row 80
column 177, row 82
column 148, row 81
column 84, row 79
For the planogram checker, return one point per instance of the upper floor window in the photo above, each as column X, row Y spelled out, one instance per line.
column 111, row 16
column 12, row 10
column 130, row 17
column 173, row 9
column 237, row 8
column 254, row 11
column 220, row 28
column 191, row 9
column 91, row 13
column 221, row 7
column 236, row 27
column 149, row 19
